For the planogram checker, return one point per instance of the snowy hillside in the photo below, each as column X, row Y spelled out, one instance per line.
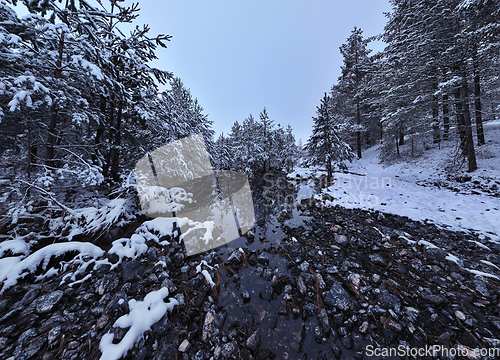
column 427, row 187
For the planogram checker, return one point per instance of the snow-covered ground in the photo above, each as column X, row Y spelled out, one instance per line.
column 422, row 187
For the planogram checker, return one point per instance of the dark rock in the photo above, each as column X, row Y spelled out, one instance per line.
column 268, row 274
column 26, row 336
column 435, row 254
column 436, row 300
column 130, row 269
column 3, row 305
column 245, row 295
column 107, row 284
column 339, row 298
column 235, row 258
column 228, row 349
column 341, row 240
column 388, row 300
column 304, row 266
column 11, row 313
column 323, row 321
column 30, row 295
column 3, row 342
column 318, row 335
column 481, row 288
column 53, row 334
column 347, row 342
column 309, row 279
column 32, row 349
column 152, row 254
column 301, row 286
column 263, row 259
column 46, row 303
column 377, row 259
column 444, row 338
column 336, row 351
column 310, row 309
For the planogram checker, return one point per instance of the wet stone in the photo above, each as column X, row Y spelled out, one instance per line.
column 339, row 298
column 341, row 240
column 184, row 346
column 253, row 341
column 26, row 336
column 32, row 349
column 268, row 274
column 228, row 349
column 377, row 259
column 245, row 295
column 130, row 269
column 388, row 300
column 323, row 321
column 301, row 285
column 11, row 313
column 30, row 295
column 53, row 334
column 263, row 259
column 45, row 303
column 304, row 266
column 318, row 335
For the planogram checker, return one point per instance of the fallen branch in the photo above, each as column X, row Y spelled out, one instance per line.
column 62, row 206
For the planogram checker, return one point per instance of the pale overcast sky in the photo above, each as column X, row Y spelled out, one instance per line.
column 239, row 56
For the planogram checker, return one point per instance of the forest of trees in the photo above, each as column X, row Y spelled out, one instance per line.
column 437, row 77
column 77, row 96
column 257, row 146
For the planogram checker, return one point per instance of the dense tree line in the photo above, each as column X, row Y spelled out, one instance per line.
column 77, row 94
column 257, row 146
column 437, row 77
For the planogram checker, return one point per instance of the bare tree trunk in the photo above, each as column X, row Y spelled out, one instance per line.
column 111, row 136
column 52, row 136
column 446, row 118
column 436, row 134
column 29, row 150
column 358, row 133
column 477, row 106
column 471, row 154
column 115, row 163
column 460, row 119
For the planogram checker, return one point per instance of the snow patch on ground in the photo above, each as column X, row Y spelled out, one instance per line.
column 24, row 267
column 413, row 188
column 143, row 315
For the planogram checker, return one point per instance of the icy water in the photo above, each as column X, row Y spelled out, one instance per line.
column 289, row 336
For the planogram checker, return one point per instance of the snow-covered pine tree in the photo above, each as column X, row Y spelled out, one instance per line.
column 266, row 140
column 355, row 66
column 325, row 147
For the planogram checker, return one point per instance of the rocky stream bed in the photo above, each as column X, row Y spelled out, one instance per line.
column 312, row 283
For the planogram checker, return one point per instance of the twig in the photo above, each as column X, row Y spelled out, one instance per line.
column 62, row 206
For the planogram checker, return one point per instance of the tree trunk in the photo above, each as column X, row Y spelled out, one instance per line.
column 446, row 118
column 460, row 119
column 477, row 106
column 436, row 134
column 471, row 154
column 29, row 150
column 397, row 145
column 401, row 137
column 115, row 163
column 358, row 133
column 52, row 136
column 111, row 136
